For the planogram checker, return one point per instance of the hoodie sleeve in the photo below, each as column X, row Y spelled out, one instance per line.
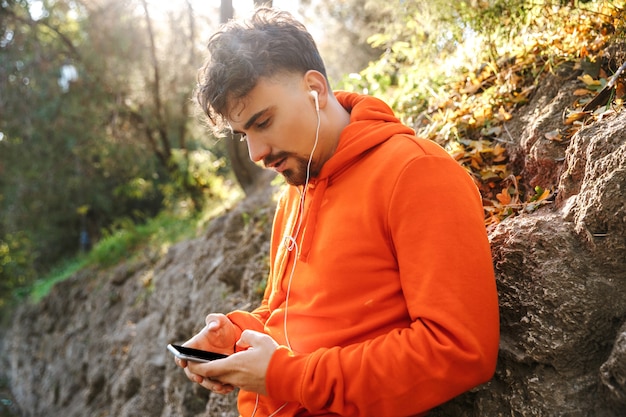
column 244, row 320
column 436, row 224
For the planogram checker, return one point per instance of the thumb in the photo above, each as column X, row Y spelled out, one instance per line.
column 214, row 321
column 254, row 339
column 248, row 339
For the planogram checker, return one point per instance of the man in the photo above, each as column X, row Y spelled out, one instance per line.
column 381, row 297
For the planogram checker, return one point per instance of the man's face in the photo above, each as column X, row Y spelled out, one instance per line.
column 279, row 121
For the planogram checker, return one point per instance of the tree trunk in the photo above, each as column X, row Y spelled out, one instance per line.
column 248, row 174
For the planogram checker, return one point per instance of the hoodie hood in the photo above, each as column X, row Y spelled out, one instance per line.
column 372, row 122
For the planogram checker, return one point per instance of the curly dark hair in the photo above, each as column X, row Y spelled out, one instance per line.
column 240, row 53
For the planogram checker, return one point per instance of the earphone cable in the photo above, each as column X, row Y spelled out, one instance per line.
column 292, row 239
column 291, row 244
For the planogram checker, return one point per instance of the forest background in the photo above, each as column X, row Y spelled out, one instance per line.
column 102, row 151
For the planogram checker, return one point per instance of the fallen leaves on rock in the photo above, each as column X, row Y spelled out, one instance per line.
column 470, row 121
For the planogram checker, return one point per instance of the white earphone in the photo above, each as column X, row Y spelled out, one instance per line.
column 317, row 102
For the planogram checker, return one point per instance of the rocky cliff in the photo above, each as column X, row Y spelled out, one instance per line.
column 96, row 345
column 561, row 272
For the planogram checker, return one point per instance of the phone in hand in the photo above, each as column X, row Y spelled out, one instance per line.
column 194, row 355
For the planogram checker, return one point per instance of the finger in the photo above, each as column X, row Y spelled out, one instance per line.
column 248, row 339
column 218, row 371
column 180, row 362
column 216, row 386
column 198, row 340
column 251, row 338
column 193, row 377
column 211, row 370
column 214, row 321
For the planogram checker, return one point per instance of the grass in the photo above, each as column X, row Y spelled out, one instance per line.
column 43, row 286
column 130, row 240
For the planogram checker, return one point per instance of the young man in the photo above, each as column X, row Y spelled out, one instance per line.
column 381, row 298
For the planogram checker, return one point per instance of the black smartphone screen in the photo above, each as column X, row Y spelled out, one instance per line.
column 202, row 354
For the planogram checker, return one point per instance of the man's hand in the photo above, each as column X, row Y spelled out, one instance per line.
column 219, row 335
column 245, row 369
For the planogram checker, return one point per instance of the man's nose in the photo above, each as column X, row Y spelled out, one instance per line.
column 257, row 149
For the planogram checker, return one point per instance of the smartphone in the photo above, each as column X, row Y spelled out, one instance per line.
column 194, row 355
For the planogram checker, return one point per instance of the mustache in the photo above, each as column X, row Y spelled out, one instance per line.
column 272, row 159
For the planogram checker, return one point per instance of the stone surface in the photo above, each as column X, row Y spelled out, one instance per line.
column 561, row 274
column 96, row 345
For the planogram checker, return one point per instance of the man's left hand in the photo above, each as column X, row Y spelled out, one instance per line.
column 245, row 369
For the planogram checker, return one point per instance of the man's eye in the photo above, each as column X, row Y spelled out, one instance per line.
column 263, row 124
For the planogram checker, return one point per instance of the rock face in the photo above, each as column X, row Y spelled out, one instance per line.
column 562, row 283
column 561, row 275
column 96, row 345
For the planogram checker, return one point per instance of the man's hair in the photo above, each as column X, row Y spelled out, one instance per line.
column 269, row 43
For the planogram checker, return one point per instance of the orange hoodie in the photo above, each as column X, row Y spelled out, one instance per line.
column 391, row 308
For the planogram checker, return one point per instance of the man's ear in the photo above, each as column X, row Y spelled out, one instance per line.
column 315, row 81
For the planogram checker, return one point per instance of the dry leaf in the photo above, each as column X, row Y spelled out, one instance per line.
column 583, row 52
column 620, row 89
column 503, row 115
column 588, row 80
column 554, row 135
column 574, row 116
column 504, row 197
column 546, row 193
column 499, row 153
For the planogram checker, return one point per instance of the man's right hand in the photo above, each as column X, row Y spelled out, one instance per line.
column 219, row 335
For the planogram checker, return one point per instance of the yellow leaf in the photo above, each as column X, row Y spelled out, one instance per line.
column 458, row 155
column 499, row 153
column 82, row 210
column 582, row 92
column 546, row 193
column 503, row 115
column 588, row 80
column 574, row 116
column 620, row 89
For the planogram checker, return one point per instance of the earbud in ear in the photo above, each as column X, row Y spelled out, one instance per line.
column 317, row 102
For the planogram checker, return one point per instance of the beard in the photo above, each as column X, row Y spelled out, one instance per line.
column 297, row 175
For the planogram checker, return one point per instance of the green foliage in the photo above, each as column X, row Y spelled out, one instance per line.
column 16, row 267
column 122, row 241
column 194, row 174
column 155, row 234
column 86, row 138
column 414, row 39
column 129, row 239
column 347, row 26
column 429, row 45
column 498, row 21
column 66, row 269
column 126, row 235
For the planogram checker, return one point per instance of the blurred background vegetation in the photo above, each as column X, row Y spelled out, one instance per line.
column 102, row 151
